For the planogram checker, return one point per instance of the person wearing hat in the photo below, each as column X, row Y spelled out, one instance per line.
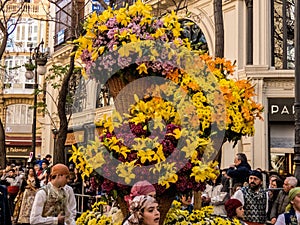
column 144, row 210
column 234, row 209
column 142, row 187
column 292, row 214
column 254, row 199
column 54, row 203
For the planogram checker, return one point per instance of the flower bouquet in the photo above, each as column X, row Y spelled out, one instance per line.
column 117, row 47
column 204, row 216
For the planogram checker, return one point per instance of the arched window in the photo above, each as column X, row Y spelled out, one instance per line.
column 103, row 97
column 195, row 35
column 283, row 21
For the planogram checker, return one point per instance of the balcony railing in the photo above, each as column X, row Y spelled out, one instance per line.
column 29, row 8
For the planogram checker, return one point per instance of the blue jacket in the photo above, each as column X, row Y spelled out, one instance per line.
column 240, row 173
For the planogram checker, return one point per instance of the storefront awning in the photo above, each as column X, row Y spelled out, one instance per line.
column 21, row 141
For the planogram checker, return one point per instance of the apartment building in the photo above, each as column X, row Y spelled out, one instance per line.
column 16, row 90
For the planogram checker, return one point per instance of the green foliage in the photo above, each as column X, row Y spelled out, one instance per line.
column 56, row 75
column 55, row 79
column 29, row 66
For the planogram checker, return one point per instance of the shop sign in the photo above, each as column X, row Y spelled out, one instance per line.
column 17, row 151
column 75, row 137
column 61, row 36
column 281, row 109
column 97, row 7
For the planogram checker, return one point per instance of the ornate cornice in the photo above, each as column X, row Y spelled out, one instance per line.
column 286, row 84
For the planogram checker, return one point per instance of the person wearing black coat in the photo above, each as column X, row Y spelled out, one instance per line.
column 4, row 209
column 239, row 171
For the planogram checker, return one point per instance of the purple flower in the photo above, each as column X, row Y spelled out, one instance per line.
column 158, row 24
column 124, row 61
column 111, row 23
column 108, row 61
column 135, row 29
column 99, row 41
column 111, row 33
column 110, row 45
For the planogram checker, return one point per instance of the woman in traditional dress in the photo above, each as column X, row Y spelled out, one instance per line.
column 143, row 211
column 31, row 186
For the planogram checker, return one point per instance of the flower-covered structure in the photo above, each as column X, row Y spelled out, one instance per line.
column 106, row 33
column 171, row 133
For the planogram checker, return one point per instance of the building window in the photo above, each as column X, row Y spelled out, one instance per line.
column 19, row 114
column 103, row 96
column 72, row 13
column 24, row 36
column 76, row 100
column 15, row 71
column 283, row 50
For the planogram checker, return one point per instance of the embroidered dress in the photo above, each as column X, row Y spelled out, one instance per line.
column 288, row 218
column 27, row 202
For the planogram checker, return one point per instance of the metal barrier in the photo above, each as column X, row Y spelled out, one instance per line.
column 82, row 199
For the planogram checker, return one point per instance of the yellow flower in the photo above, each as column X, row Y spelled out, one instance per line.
column 159, row 155
column 124, row 51
column 142, row 68
column 121, row 150
column 76, row 153
column 91, row 21
column 145, row 155
column 125, row 170
column 140, row 9
column 102, row 28
column 177, row 29
column 177, row 133
column 106, row 15
column 123, row 35
column 94, row 55
column 133, row 38
column 159, row 32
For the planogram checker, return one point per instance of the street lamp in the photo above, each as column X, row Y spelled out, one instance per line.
column 40, row 59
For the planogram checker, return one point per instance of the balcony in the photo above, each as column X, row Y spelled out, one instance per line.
column 32, row 9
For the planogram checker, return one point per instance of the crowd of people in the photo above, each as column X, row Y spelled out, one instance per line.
column 44, row 194
column 21, row 198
